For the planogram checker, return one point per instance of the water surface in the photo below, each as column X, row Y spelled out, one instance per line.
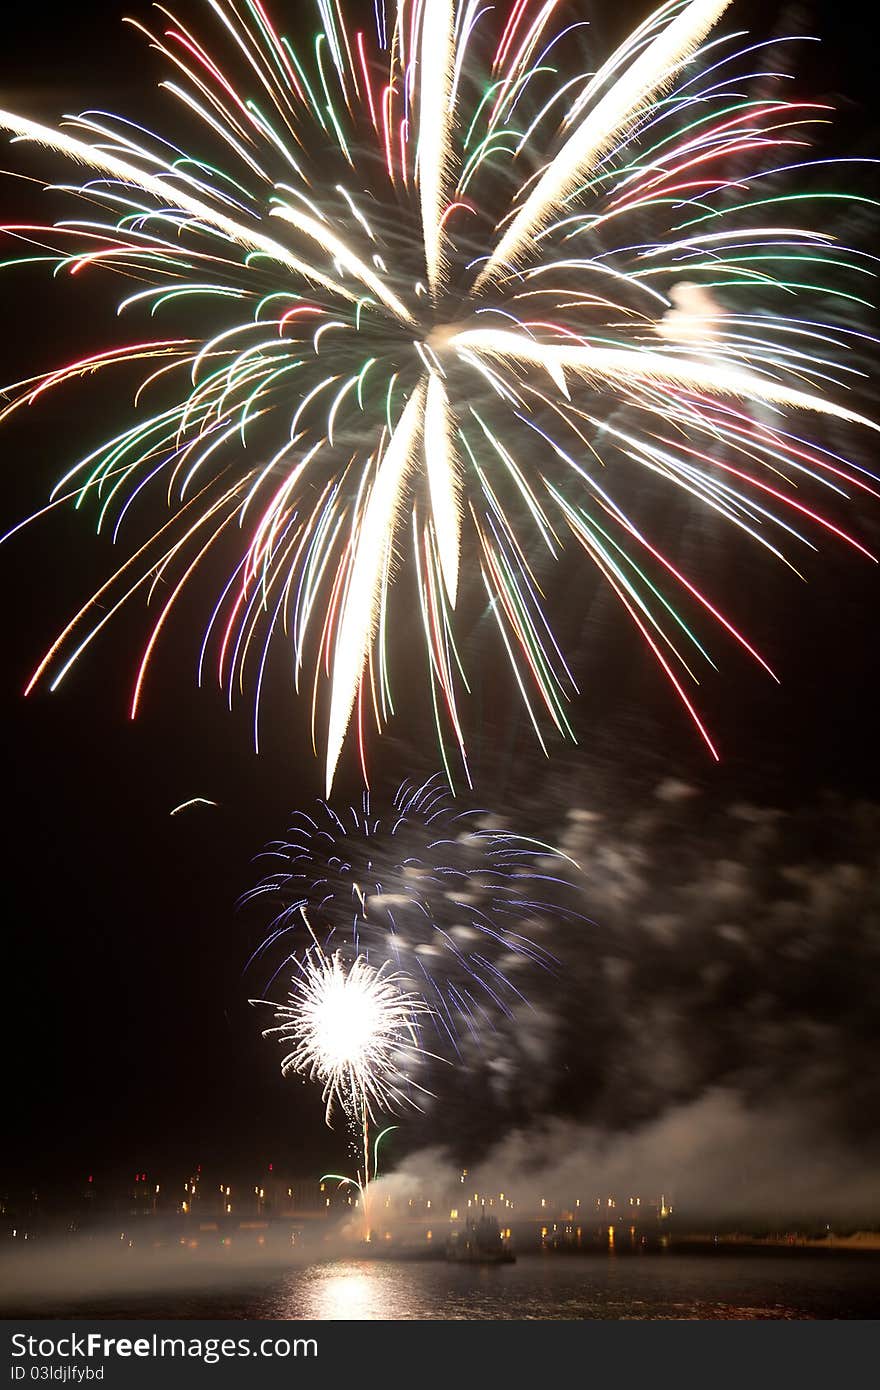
column 815, row 1285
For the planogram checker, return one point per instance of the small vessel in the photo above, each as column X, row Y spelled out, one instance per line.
column 480, row 1242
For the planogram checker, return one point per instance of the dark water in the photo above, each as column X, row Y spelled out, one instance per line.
column 728, row 1286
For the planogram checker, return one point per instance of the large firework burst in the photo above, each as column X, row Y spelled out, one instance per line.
column 418, row 283
column 454, row 903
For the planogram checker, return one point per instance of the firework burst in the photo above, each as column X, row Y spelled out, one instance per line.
column 430, row 284
column 456, row 904
column 353, row 1029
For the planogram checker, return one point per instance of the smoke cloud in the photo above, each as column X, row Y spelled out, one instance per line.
column 710, row 1030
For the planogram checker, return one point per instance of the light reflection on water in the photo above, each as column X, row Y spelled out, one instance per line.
column 550, row 1287
column 559, row 1288
column 359, row 1290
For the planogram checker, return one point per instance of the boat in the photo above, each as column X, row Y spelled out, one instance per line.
column 480, row 1242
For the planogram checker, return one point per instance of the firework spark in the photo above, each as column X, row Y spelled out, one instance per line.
column 433, row 275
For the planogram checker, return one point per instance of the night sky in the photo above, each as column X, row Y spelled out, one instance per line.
column 129, row 1042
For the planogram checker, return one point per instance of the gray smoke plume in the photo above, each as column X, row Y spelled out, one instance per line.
column 711, row 1030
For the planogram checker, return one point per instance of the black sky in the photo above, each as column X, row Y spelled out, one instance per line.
column 128, row 1041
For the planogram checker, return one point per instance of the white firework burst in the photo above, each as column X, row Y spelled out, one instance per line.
column 354, row 1028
